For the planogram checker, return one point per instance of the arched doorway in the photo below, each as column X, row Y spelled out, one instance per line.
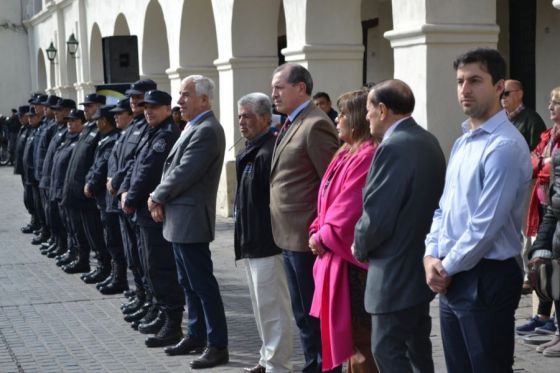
column 41, row 71
column 155, row 47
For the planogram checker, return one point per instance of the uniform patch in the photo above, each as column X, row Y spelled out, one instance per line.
column 159, row 146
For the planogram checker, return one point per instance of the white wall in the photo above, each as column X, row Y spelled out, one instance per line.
column 14, row 87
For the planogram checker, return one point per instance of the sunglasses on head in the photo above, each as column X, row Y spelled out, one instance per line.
column 506, row 93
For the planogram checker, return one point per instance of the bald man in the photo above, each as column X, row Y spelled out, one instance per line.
column 527, row 121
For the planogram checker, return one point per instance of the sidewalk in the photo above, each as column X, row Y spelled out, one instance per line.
column 52, row 322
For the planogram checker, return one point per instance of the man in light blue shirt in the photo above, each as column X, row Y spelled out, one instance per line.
column 474, row 241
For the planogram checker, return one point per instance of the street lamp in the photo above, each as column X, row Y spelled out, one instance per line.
column 72, row 45
column 51, row 52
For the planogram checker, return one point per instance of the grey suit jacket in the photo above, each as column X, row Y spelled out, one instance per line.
column 402, row 190
column 189, row 184
column 299, row 161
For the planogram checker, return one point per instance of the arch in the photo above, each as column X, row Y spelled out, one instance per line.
column 41, row 71
column 254, row 17
column 377, row 18
column 155, row 46
column 121, row 26
column 95, row 55
column 197, row 19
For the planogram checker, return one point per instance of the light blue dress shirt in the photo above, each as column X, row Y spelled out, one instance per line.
column 480, row 211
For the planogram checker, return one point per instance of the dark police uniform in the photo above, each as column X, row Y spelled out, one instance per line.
column 31, row 184
column 159, row 261
column 23, row 134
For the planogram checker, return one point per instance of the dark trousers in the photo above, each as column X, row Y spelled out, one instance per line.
column 93, row 228
column 77, row 231
column 400, row 341
column 28, row 198
column 299, row 271
column 205, row 309
column 131, row 249
column 113, row 237
column 159, row 266
column 38, row 206
column 44, row 195
column 477, row 317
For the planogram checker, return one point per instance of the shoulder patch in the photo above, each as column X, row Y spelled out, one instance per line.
column 159, row 146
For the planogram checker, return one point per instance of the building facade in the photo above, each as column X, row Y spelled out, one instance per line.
column 344, row 43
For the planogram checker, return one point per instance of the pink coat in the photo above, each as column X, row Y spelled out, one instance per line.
column 339, row 207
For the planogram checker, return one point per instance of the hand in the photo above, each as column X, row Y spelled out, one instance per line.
column 316, row 247
column 534, row 263
column 87, row 191
column 436, row 277
column 151, row 204
column 157, row 212
column 110, row 188
column 126, row 209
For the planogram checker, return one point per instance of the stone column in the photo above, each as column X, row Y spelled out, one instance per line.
column 427, row 36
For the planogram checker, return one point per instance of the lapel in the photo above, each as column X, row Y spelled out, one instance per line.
column 187, row 134
column 294, row 127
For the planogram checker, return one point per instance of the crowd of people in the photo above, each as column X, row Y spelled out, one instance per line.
column 351, row 228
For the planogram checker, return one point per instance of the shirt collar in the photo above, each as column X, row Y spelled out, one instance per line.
column 293, row 115
column 517, row 110
column 489, row 126
column 199, row 117
column 392, row 128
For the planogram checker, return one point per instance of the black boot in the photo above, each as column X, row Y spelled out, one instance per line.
column 154, row 326
column 138, row 315
column 170, row 333
column 109, row 278
column 102, row 271
column 60, row 248
column 80, row 265
column 66, row 258
column 42, row 237
column 119, row 282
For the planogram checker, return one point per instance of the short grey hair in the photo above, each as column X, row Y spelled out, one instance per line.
column 202, row 85
column 259, row 102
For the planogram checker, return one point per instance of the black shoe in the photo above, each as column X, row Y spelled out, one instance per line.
column 104, row 283
column 211, row 357
column 99, row 276
column 28, row 229
column 65, row 259
column 130, row 293
column 93, row 272
column 48, row 242
column 77, row 266
column 39, row 239
column 136, row 316
column 170, row 333
column 56, row 251
column 134, row 324
column 153, row 326
column 187, row 345
column 133, row 306
column 113, row 288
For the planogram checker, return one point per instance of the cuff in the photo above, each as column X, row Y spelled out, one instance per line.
column 546, row 254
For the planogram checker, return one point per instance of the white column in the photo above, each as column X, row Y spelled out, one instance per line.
column 427, row 36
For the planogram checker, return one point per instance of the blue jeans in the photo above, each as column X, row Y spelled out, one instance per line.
column 205, row 309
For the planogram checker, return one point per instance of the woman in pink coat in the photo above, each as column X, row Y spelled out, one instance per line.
column 339, row 278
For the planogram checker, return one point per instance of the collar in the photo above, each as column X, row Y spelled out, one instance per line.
column 256, row 140
column 199, row 117
column 392, row 128
column 293, row 115
column 489, row 126
column 517, row 110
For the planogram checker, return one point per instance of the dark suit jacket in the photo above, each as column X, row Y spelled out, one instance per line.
column 299, row 161
column 402, row 190
column 189, row 184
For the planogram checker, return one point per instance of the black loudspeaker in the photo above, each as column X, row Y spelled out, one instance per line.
column 120, row 59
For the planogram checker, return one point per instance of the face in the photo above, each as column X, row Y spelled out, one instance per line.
column 176, row 116
column 89, row 110
column 34, row 120
column 554, row 108
column 512, row 97
column 135, row 104
column 323, row 104
column 250, row 124
column 191, row 105
column 155, row 114
column 74, row 126
column 123, row 119
column 58, row 116
column 49, row 113
column 478, row 97
column 286, row 96
column 374, row 117
column 343, row 127
column 40, row 109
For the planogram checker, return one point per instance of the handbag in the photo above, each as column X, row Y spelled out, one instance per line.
column 544, row 276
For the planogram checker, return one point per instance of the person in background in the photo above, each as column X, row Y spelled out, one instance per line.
column 323, row 102
column 339, row 278
column 177, row 119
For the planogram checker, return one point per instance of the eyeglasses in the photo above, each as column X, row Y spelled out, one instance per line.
column 506, row 93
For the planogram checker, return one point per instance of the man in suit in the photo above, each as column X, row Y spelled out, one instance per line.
column 185, row 200
column 402, row 189
column 304, row 147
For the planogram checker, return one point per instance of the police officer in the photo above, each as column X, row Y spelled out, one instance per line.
column 61, row 221
column 117, row 280
column 58, row 109
column 31, row 143
column 115, row 186
column 96, row 180
column 159, row 261
column 83, row 212
column 23, row 133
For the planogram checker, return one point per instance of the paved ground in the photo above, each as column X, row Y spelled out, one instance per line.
column 52, row 322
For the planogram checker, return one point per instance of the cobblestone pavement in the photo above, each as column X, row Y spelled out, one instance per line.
column 53, row 322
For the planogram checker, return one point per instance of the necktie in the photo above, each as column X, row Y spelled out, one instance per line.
column 284, row 129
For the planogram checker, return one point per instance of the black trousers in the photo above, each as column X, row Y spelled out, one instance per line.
column 44, row 195
column 93, row 229
column 160, row 268
column 132, row 249
column 477, row 317
column 113, row 237
column 38, row 204
column 79, row 239
column 400, row 341
column 28, row 197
